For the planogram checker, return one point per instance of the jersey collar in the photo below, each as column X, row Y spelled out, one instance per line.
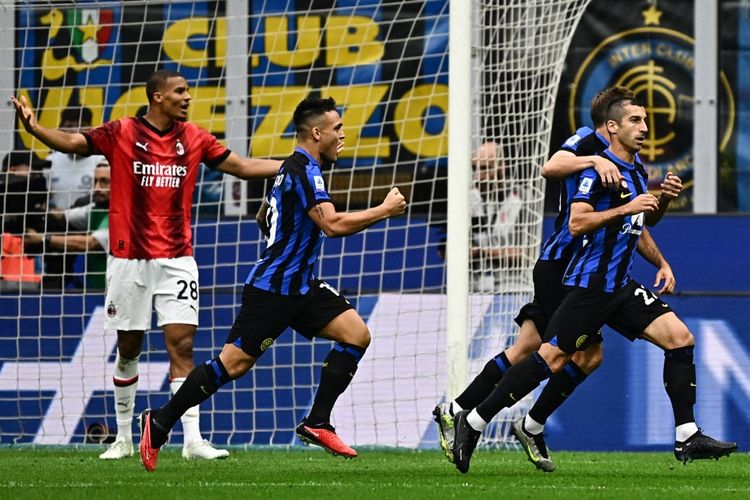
column 298, row 149
column 155, row 130
column 619, row 162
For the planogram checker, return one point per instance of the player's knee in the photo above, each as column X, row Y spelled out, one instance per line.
column 181, row 349
column 683, row 337
column 362, row 337
column 554, row 357
column 590, row 359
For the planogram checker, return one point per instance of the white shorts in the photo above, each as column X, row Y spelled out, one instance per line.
column 134, row 287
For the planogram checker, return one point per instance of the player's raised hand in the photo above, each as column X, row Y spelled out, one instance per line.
column 672, row 186
column 25, row 113
column 609, row 173
column 643, row 203
column 339, row 149
column 395, row 203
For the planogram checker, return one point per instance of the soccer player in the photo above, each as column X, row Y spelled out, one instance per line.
column 577, row 153
column 281, row 290
column 155, row 160
column 602, row 291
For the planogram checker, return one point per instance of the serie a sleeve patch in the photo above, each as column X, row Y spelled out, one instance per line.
column 320, row 185
column 585, row 186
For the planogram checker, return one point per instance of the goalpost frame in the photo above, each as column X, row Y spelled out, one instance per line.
column 459, row 180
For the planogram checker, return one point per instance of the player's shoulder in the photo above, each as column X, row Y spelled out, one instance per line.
column 584, row 142
column 298, row 164
column 574, row 140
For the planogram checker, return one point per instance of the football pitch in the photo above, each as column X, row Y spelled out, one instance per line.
column 383, row 474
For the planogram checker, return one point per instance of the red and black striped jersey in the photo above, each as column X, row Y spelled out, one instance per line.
column 153, row 178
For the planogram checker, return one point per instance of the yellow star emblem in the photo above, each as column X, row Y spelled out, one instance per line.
column 651, row 15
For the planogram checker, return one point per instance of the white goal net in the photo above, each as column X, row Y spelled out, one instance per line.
column 248, row 64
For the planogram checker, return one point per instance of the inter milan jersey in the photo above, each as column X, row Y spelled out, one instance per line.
column 286, row 265
column 604, row 260
column 153, row 177
column 560, row 245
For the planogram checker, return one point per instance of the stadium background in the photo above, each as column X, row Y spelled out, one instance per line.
column 622, row 406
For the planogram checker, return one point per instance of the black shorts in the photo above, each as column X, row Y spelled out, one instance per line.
column 579, row 319
column 548, row 294
column 265, row 315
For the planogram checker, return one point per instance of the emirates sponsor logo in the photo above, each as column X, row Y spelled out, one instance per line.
column 159, row 175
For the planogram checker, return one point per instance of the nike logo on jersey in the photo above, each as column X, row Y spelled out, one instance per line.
column 142, row 146
column 625, row 194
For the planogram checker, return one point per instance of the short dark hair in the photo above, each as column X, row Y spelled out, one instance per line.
column 76, row 115
column 157, row 80
column 601, row 101
column 616, row 108
column 23, row 157
column 309, row 108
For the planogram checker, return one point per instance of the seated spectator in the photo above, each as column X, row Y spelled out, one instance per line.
column 69, row 179
column 70, row 176
column 92, row 220
column 23, row 200
column 495, row 213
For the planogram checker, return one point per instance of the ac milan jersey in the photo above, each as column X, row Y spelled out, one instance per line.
column 153, row 177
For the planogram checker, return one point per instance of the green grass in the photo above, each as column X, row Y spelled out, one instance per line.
column 276, row 474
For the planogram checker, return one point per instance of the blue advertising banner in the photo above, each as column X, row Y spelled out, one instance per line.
column 55, row 373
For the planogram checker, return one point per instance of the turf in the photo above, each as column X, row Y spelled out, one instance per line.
column 277, row 474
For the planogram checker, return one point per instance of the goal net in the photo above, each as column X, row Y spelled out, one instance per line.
column 248, row 65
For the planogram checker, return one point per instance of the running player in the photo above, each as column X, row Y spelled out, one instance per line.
column 602, row 291
column 281, row 290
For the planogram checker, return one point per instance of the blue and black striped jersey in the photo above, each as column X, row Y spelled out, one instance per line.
column 560, row 245
column 286, row 265
column 604, row 260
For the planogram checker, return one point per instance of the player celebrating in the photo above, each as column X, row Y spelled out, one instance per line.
column 577, row 153
column 155, row 161
column 281, row 290
column 602, row 291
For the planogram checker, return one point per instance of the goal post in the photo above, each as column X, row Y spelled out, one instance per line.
column 437, row 287
column 517, row 54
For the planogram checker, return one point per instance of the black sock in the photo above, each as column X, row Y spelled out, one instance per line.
column 517, row 382
column 201, row 383
column 485, row 382
column 679, row 382
column 338, row 369
column 560, row 386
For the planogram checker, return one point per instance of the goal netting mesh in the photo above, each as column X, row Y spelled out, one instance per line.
column 248, row 65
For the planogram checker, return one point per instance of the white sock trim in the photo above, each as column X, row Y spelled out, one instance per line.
column 532, row 426
column 455, row 408
column 684, row 431
column 191, row 425
column 475, row 421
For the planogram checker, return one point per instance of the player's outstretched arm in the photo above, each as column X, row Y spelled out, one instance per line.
column 334, row 223
column 249, row 168
column 564, row 163
column 584, row 219
column 650, row 251
column 66, row 142
column 670, row 189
